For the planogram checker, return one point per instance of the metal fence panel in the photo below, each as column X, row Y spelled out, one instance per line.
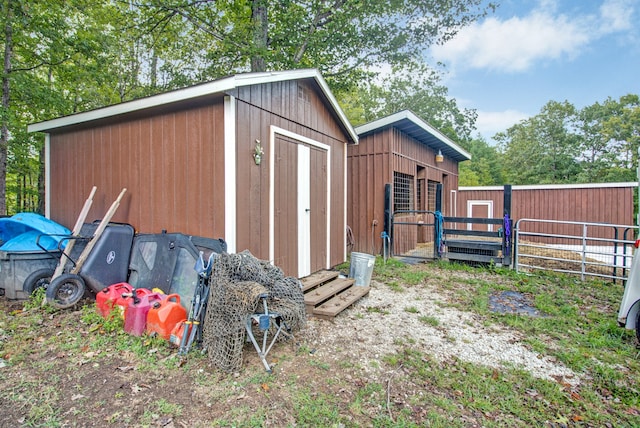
column 594, row 250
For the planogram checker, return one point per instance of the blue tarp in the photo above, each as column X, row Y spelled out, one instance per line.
column 21, row 231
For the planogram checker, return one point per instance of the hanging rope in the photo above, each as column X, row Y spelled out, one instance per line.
column 438, row 232
column 507, row 235
column 350, row 239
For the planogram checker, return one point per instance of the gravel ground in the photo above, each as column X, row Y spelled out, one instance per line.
column 455, row 334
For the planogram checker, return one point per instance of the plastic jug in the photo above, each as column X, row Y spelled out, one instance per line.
column 164, row 315
column 135, row 315
column 122, row 302
column 106, row 298
column 181, row 329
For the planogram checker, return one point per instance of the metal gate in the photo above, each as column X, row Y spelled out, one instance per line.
column 587, row 249
column 412, row 235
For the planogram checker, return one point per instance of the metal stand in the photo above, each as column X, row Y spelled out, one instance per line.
column 263, row 321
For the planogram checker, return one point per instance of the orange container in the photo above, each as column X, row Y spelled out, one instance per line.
column 181, row 329
column 106, row 298
column 164, row 315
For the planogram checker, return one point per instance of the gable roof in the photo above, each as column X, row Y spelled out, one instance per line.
column 407, row 122
column 219, row 86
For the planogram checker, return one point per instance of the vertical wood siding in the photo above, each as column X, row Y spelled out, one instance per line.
column 171, row 164
column 296, row 106
column 613, row 205
column 371, row 165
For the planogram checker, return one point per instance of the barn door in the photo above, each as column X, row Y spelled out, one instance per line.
column 480, row 209
column 299, row 206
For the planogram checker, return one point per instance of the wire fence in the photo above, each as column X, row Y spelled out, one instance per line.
column 594, row 250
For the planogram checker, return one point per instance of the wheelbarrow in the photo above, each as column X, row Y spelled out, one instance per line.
column 68, row 287
column 106, row 263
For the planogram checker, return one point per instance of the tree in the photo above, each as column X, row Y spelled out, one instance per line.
column 485, row 166
column 542, row 149
column 342, row 38
column 58, row 59
column 621, row 127
column 418, row 90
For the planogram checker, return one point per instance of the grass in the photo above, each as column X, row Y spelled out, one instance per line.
column 577, row 328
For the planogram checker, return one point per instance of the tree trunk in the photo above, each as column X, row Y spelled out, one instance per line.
column 4, row 126
column 40, row 208
column 260, row 28
column 154, row 70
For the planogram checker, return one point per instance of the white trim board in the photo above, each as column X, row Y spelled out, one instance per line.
column 220, row 86
column 551, row 186
column 230, row 177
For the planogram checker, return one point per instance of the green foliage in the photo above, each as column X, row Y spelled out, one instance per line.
column 484, row 168
column 561, row 144
column 417, row 89
column 542, row 149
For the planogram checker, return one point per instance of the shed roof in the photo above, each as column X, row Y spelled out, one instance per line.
column 407, row 122
column 552, row 186
column 218, row 86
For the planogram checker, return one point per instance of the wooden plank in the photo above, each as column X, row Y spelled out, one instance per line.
column 340, row 302
column 326, row 291
column 317, row 278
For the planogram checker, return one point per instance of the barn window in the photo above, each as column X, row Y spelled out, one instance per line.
column 402, row 192
column 431, row 195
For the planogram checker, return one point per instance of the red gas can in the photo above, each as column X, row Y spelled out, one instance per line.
column 135, row 315
column 164, row 315
column 106, row 298
column 122, row 302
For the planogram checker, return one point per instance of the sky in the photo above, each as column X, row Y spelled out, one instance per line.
column 510, row 64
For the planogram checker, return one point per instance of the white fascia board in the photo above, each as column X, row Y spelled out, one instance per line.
column 136, row 105
column 552, row 186
column 192, row 92
column 406, row 114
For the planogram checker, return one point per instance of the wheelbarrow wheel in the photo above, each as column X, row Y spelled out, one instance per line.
column 65, row 291
column 38, row 279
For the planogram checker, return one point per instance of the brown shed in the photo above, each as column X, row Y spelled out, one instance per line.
column 610, row 203
column 187, row 159
column 405, row 152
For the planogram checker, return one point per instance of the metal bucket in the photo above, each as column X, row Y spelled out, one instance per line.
column 361, row 268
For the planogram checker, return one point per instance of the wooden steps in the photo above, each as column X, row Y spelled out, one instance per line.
column 326, row 295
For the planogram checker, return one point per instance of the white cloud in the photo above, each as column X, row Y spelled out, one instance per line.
column 491, row 122
column 616, row 15
column 517, row 43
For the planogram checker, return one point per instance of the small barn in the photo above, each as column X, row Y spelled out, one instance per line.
column 610, row 203
column 258, row 159
column 400, row 159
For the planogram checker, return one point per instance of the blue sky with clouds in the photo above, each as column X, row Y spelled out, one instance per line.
column 529, row 52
